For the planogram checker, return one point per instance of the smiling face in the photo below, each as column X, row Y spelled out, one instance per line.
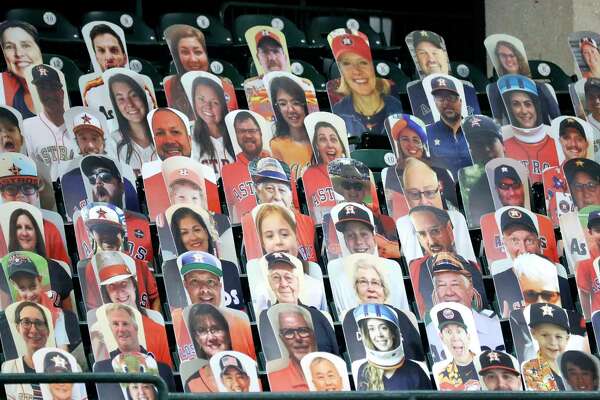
column 358, row 73
column 300, row 338
column 211, row 335
column 124, row 330
column 122, row 292
column 193, row 235
column 510, row 192
column 33, row 329
column 10, row 137
column 141, row 391
column 130, row 105
column 369, row 285
column 61, row 391
column 380, row 334
column 325, row 376
column 551, row 339
column 449, row 105
column 292, row 109
column 501, row 379
column 508, row 59
column 29, row 287
column 192, row 54
column 203, row 287
column 431, row 59
column 284, row 283
column 108, row 51
column 275, row 192
column 523, row 110
column 456, row 339
column 359, row 237
column 277, row 235
column 89, row 142
column 581, row 379
column 208, row 105
column 235, row 380
column 410, row 144
column 453, row 287
column 20, row 51
column 26, row 235
column 328, row 144
column 585, row 190
column 520, row 241
column 249, row 138
column 186, row 192
column 573, row 143
column 170, row 135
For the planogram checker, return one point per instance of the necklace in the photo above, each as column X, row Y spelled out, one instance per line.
column 367, row 108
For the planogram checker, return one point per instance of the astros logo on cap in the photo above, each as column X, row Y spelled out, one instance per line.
column 514, row 213
column 43, row 71
column 448, row 313
column 547, row 310
column 349, row 209
column 424, row 33
column 59, row 362
column 86, row 119
column 346, row 41
column 442, row 82
column 475, row 122
column 184, row 172
column 493, row 356
column 277, row 255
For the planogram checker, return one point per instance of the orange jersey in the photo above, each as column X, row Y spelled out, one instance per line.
column 318, row 191
column 534, row 156
column 55, row 247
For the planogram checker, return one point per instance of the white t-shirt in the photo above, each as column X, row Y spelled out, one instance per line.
column 222, row 156
column 139, row 154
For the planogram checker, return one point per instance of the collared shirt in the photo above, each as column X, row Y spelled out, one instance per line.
column 448, row 148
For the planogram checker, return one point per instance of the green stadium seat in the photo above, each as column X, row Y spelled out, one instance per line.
column 51, row 25
column 227, row 70
column 471, row 73
column 68, row 67
column 293, row 36
column 136, row 30
column 214, row 31
column 372, row 158
column 551, row 73
column 321, row 26
column 308, row 71
column 389, row 70
column 145, row 67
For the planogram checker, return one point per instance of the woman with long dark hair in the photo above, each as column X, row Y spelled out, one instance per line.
column 190, row 232
column 134, row 137
column 25, row 233
column 210, row 133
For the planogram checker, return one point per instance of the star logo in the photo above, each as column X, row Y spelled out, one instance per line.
column 547, row 310
column 349, row 210
column 43, row 71
column 570, row 120
column 448, row 313
column 86, row 119
column 15, row 170
column 442, row 82
column 346, row 41
column 475, row 122
column 265, row 32
column 436, row 142
column 184, row 172
column 424, row 33
column 101, row 213
column 579, row 163
column 493, row 356
column 197, row 257
column 59, row 362
column 514, row 213
column 277, row 255
column 504, row 169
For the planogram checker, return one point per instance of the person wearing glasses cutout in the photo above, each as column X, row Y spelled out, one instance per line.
column 588, row 284
column 509, row 186
column 423, row 188
column 583, row 178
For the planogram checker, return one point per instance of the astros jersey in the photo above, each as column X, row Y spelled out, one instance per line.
column 318, row 191
column 239, row 189
column 535, row 156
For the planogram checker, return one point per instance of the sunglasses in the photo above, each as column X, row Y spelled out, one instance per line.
column 548, row 296
column 104, row 176
column 352, row 185
column 506, row 186
column 26, row 189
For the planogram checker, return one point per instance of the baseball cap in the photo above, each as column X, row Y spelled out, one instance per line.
column 353, row 212
column 447, row 316
column 20, row 263
column 277, row 257
column 17, row 168
column 514, row 216
column 505, row 171
column 56, row 362
column 512, row 82
column 591, row 83
column 200, row 261
column 448, row 262
column 546, row 313
column 266, row 32
column 86, row 122
column 230, row 361
column 427, row 36
column 180, row 168
column 477, row 127
column 570, row 123
column 491, row 359
column 111, row 267
column 379, row 311
column 593, row 218
column 93, row 161
column 351, row 43
column 268, row 168
column 406, row 121
column 45, row 75
column 348, row 168
column 575, row 165
column 443, row 83
column 103, row 213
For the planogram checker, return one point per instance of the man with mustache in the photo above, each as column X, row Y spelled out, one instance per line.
column 46, row 137
column 170, row 133
column 270, row 52
column 445, row 137
column 499, row 371
column 89, row 132
column 591, row 90
column 430, row 52
column 434, row 231
column 239, row 189
column 103, row 174
column 572, row 139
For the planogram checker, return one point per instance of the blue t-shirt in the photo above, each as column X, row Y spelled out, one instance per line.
column 357, row 124
column 448, row 150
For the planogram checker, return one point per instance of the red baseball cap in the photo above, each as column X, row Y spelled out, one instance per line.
column 350, row 43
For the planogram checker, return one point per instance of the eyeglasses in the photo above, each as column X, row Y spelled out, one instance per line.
column 303, row 332
column 585, row 186
column 293, row 103
column 449, row 98
column 38, row 323
column 352, row 185
column 548, row 296
column 364, row 283
column 416, row 194
column 26, row 189
column 104, row 176
column 506, row 186
column 213, row 330
column 252, row 131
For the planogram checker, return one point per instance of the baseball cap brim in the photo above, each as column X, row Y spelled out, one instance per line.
column 201, row 267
